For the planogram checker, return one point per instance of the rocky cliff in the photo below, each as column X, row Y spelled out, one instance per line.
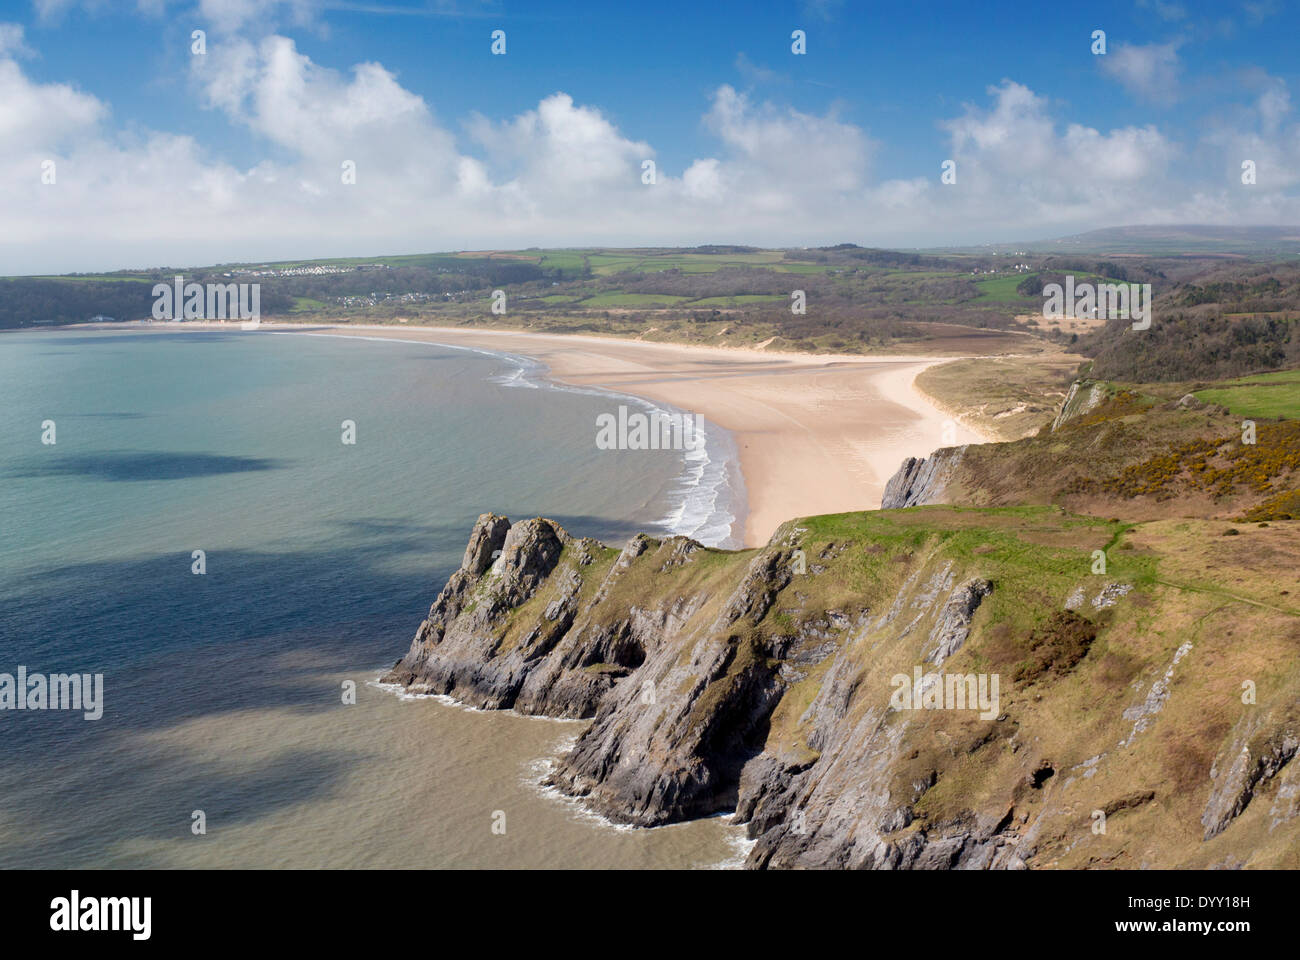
column 902, row 689
column 939, row 477
column 922, row 480
column 1082, row 398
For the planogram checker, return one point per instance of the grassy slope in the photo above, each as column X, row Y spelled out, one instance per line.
column 1141, row 455
column 1003, row 397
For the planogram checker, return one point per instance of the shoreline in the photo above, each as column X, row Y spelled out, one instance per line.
column 726, row 506
column 985, row 435
column 814, row 434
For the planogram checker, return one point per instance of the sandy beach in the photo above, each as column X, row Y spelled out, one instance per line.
column 816, row 434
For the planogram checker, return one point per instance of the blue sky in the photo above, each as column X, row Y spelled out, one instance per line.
column 164, row 156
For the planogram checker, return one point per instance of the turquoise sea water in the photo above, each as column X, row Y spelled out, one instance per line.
column 223, row 691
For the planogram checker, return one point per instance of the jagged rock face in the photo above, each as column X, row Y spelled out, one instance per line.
column 921, row 481
column 954, row 619
column 456, row 650
column 1244, row 767
column 671, row 745
column 760, row 681
column 841, row 810
column 485, row 543
column 1082, row 397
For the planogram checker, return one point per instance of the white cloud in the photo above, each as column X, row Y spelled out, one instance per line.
column 703, row 181
column 36, row 117
column 1258, row 133
column 1013, row 167
column 279, row 93
column 785, row 152
column 11, row 41
column 563, row 147
column 1273, row 105
column 565, row 173
column 1150, row 72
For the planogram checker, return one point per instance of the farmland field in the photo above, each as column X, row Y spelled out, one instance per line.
column 1265, row 396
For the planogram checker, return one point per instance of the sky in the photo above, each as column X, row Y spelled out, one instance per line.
column 296, row 129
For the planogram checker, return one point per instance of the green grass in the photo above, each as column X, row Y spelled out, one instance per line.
column 1028, row 552
column 1265, row 396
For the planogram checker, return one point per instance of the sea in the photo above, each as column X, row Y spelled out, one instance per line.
column 239, row 531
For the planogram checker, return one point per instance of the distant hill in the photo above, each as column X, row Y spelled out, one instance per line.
column 1167, row 241
column 1186, row 240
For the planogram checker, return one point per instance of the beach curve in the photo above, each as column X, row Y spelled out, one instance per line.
column 815, row 434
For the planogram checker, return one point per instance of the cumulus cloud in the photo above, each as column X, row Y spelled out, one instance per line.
column 563, row 147
column 565, row 173
column 786, row 151
column 317, row 112
column 41, row 115
column 1014, row 165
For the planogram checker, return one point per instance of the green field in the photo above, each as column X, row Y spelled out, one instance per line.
column 609, row 262
column 922, row 275
column 804, row 268
column 96, row 278
column 1266, row 395
column 736, row 301
column 570, row 261
column 1002, row 289
column 632, row 300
